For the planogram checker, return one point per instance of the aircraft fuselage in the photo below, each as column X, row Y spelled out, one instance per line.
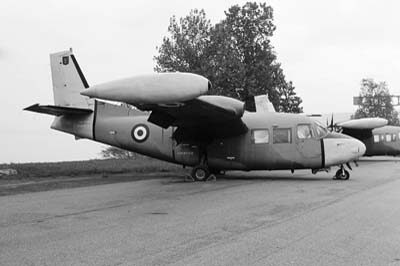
column 271, row 143
column 383, row 141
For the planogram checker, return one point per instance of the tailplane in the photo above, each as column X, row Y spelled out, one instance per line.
column 74, row 113
column 58, row 110
column 68, row 82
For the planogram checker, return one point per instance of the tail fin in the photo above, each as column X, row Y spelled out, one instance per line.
column 75, row 114
column 263, row 105
column 68, row 81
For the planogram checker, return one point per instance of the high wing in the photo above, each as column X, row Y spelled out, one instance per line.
column 177, row 99
column 203, row 118
column 361, row 128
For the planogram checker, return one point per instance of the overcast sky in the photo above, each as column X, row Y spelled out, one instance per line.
column 325, row 47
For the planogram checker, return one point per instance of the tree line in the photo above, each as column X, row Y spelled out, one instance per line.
column 377, row 102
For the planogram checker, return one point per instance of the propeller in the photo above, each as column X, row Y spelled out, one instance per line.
column 331, row 127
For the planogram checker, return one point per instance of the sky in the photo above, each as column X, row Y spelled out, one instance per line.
column 325, row 48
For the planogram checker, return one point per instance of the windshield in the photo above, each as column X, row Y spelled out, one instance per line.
column 319, row 130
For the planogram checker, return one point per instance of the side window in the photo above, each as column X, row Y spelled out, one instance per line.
column 382, row 137
column 376, row 138
column 282, row 135
column 260, row 136
column 304, row 131
column 394, row 137
column 388, row 137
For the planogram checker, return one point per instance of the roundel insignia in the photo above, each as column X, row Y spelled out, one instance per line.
column 140, row 133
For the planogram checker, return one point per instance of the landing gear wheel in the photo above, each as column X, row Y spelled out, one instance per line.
column 342, row 174
column 200, row 173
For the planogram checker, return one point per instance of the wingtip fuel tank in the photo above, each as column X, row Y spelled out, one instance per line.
column 364, row 123
column 157, row 88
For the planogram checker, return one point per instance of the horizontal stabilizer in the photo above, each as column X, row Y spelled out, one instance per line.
column 58, row 110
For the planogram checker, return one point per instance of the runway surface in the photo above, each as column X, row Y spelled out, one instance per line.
column 262, row 218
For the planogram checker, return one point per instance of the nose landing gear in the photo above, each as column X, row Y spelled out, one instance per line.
column 342, row 173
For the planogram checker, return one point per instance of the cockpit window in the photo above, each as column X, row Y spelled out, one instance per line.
column 304, row 131
column 318, row 130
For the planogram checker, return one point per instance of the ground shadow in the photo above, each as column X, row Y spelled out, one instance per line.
column 264, row 176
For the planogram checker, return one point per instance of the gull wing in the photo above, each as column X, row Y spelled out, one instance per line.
column 203, row 118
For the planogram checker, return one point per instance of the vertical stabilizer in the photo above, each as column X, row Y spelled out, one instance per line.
column 263, row 105
column 68, row 81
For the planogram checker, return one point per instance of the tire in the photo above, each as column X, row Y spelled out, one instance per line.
column 342, row 174
column 200, row 173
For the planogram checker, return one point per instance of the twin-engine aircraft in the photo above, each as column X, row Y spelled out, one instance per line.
column 378, row 138
column 173, row 120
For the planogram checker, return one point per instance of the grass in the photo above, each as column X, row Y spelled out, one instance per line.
column 91, row 167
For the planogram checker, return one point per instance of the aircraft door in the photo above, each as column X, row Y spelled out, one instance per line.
column 259, row 151
column 226, row 153
column 308, row 146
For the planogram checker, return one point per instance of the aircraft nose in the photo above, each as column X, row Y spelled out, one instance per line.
column 340, row 150
column 359, row 148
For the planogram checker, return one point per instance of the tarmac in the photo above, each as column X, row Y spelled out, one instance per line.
column 256, row 218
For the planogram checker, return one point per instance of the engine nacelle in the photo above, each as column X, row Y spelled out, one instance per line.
column 234, row 106
column 158, row 88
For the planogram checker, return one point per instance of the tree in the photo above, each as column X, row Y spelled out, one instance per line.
column 235, row 54
column 376, row 102
column 290, row 102
column 116, row 153
column 185, row 50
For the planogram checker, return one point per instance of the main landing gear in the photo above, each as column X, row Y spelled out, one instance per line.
column 200, row 173
column 203, row 173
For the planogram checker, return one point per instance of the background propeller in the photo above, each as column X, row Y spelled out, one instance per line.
column 332, row 127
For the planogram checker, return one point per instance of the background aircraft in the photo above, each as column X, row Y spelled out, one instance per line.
column 378, row 138
column 174, row 121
